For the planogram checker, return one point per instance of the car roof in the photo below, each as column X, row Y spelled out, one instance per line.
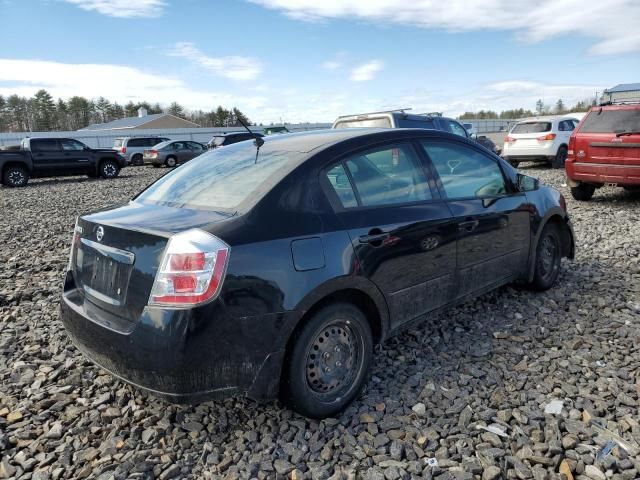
column 546, row 118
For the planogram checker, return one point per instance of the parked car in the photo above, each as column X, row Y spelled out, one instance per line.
column 471, row 130
column 230, row 138
column 55, row 157
column 273, row 130
column 132, row 148
column 173, row 153
column 401, row 119
column 544, row 139
column 274, row 271
column 605, row 150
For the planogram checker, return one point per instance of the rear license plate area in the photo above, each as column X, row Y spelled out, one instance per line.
column 104, row 278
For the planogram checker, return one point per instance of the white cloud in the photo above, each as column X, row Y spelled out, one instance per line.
column 233, row 67
column 122, row 8
column 614, row 23
column 115, row 82
column 366, row 71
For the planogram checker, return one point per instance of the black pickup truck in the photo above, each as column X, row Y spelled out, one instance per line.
column 53, row 157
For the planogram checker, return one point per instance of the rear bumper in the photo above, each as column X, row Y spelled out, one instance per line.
column 530, row 153
column 601, row 173
column 181, row 355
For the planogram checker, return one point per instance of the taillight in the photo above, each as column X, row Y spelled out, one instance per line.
column 547, row 137
column 571, row 150
column 509, row 139
column 123, row 149
column 77, row 232
column 191, row 271
column 154, row 153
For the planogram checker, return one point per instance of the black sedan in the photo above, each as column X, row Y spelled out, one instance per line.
column 271, row 268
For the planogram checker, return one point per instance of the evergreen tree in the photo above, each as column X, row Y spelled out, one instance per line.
column 176, row 109
column 43, row 111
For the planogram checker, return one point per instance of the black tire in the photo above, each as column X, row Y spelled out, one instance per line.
column 583, row 192
column 15, row 176
column 137, row 160
column 548, row 256
column 561, row 156
column 513, row 163
column 633, row 190
column 109, row 169
column 171, row 161
column 328, row 361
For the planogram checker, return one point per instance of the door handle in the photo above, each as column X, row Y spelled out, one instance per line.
column 373, row 237
column 469, row 225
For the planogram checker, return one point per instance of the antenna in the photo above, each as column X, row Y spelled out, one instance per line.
column 258, row 142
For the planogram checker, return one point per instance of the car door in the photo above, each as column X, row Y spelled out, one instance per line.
column 76, row 157
column 493, row 220
column 402, row 232
column 195, row 149
column 47, row 156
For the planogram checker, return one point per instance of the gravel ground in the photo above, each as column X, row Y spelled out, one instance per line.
column 507, row 386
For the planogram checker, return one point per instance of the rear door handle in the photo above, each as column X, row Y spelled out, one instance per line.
column 373, row 238
column 469, row 225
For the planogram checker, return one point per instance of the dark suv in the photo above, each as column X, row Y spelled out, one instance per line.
column 401, row 119
column 230, row 138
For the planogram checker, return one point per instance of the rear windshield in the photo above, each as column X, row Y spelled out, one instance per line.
column 532, row 127
column 381, row 122
column 218, row 140
column 612, row 121
column 161, row 145
column 222, row 179
column 117, row 143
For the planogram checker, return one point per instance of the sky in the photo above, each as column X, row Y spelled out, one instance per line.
column 312, row 60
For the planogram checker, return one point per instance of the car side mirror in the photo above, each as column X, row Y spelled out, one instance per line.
column 527, row 183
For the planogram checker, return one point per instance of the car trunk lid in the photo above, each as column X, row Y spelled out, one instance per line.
column 116, row 253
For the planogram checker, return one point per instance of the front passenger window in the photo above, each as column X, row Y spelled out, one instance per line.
column 465, row 172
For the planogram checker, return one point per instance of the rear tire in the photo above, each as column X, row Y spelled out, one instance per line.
column 583, row 192
column 328, row 361
column 137, row 160
column 15, row 176
column 109, row 169
column 513, row 163
column 171, row 162
column 561, row 156
column 548, row 255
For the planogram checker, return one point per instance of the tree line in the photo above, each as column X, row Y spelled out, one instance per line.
column 542, row 108
column 42, row 113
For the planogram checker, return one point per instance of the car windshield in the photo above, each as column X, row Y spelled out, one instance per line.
column 612, row 121
column 217, row 141
column 117, row 143
column 380, row 122
column 223, row 179
column 532, row 127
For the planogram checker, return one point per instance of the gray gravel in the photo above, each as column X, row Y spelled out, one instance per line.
column 462, row 396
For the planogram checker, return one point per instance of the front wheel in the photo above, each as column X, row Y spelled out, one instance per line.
column 583, row 192
column 15, row 176
column 548, row 254
column 109, row 169
column 328, row 361
column 559, row 159
column 170, row 162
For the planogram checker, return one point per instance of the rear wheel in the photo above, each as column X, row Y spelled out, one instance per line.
column 109, row 169
column 137, row 159
column 548, row 255
column 15, row 176
column 171, row 162
column 328, row 361
column 583, row 192
column 561, row 156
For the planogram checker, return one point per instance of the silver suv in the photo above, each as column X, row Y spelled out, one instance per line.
column 132, row 148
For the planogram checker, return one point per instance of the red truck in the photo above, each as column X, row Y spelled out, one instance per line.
column 604, row 149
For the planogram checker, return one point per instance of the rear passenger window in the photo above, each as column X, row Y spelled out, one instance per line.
column 44, row 145
column 341, row 185
column 389, row 175
column 566, row 126
column 465, row 172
